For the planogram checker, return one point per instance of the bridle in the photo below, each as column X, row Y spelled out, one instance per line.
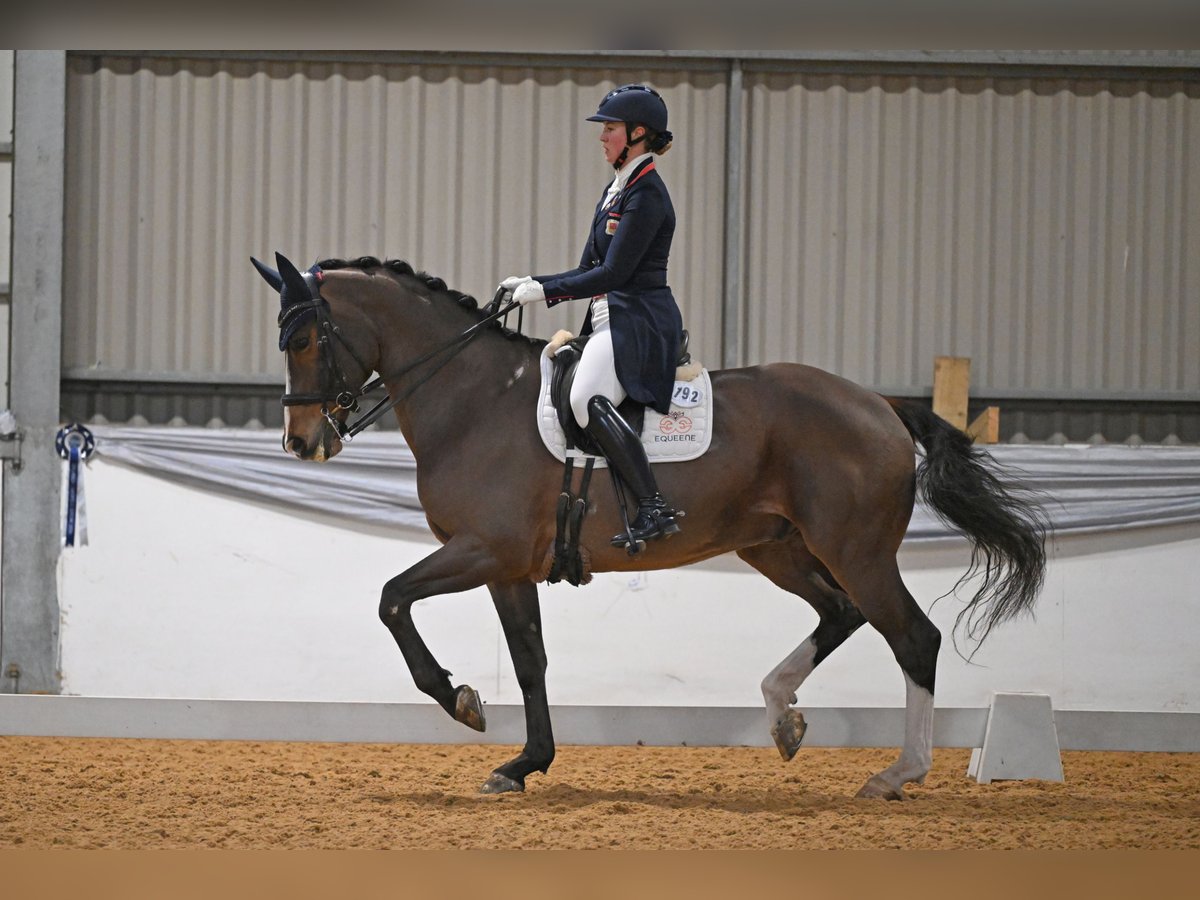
column 344, row 397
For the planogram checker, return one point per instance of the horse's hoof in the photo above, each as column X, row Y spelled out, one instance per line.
column 500, row 784
column 468, row 708
column 878, row 789
column 788, row 732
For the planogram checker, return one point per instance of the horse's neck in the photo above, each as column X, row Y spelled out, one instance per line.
column 479, row 384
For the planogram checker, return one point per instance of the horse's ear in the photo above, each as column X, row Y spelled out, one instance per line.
column 293, row 281
column 270, row 275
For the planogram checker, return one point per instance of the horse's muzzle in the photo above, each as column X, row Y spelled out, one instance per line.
column 323, row 449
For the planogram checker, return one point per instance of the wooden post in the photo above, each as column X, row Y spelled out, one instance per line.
column 951, row 388
column 951, row 380
column 986, row 427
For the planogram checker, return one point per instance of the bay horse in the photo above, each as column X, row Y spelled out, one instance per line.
column 809, row 478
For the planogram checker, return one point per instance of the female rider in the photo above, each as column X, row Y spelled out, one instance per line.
column 633, row 320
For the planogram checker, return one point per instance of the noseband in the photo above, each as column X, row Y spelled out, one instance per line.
column 344, row 397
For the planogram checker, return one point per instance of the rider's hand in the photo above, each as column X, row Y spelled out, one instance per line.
column 529, row 292
column 512, row 282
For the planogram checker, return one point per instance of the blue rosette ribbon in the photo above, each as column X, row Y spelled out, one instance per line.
column 74, row 444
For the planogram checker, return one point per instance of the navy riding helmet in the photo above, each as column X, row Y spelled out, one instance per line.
column 635, row 104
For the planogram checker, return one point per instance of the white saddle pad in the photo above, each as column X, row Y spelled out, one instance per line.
column 682, row 434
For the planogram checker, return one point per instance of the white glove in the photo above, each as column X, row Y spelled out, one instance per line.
column 529, row 292
column 513, row 281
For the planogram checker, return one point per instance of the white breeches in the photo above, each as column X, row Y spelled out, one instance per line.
column 596, row 374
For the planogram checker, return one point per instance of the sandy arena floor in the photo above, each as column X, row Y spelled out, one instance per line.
column 176, row 794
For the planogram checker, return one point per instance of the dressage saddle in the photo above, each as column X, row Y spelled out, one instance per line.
column 562, row 376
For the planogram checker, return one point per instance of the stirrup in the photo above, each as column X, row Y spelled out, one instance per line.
column 652, row 523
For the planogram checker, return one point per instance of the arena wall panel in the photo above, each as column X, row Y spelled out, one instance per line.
column 182, row 169
column 1046, row 228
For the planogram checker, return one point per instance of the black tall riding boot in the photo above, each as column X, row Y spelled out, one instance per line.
column 623, row 450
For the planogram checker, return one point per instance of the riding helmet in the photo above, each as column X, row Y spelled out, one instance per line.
column 633, row 103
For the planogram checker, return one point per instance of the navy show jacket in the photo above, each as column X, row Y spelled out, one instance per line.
column 626, row 258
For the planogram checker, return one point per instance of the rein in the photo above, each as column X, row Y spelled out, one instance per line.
column 346, row 399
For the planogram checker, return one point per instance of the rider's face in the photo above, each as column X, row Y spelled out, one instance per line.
column 612, row 136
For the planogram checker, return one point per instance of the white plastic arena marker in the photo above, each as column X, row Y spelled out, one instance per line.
column 1020, row 741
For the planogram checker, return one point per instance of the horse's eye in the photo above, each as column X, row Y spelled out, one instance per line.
column 299, row 343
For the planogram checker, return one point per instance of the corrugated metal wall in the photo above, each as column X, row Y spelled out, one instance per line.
column 180, row 170
column 1045, row 226
column 1047, row 229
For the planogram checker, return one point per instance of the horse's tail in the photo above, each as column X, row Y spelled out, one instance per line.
column 1006, row 526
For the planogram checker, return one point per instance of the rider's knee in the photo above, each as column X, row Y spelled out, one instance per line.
column 580, row 403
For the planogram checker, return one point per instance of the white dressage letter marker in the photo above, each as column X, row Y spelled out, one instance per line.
column 1020, row 742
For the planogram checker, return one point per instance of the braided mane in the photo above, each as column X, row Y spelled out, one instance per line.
column 400, row 267
column 435, row 284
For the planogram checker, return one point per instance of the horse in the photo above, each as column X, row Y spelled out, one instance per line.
column 809, row 478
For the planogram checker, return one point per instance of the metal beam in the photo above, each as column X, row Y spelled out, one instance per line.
column 207, row 382
column 171, row 380
column 29, row 613
column 1152, row 64
column 732, row 302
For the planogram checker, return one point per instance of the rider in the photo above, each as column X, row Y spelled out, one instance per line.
column 633, row 320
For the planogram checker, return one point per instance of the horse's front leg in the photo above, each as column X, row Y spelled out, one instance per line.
column 521, row 618
column 461, row 564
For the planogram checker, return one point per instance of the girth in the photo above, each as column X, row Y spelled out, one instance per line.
column 568, row 521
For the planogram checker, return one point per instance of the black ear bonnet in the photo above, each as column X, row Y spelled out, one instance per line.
column 299, row 294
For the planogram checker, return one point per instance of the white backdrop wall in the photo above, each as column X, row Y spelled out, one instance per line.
column 185, row 593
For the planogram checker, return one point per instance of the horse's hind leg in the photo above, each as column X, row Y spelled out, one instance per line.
column 878, row 590
column 792, row 567
column 520, row 616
